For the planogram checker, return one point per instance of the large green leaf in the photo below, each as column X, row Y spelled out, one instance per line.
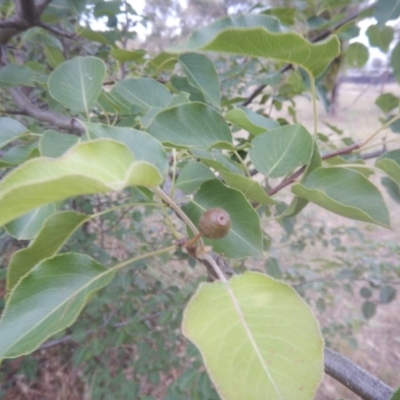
column 191, row 125
column 141, row 144
column 55, row 231
column 281, row 150
column 48, row 300
column 143, row 92
column 245, row 236
column 258, row 338
column 345, row 192
column 27, row 226
column 77, row 83
column 250, row 121
column 201, row 73
column 390, row 163
column 97, row 166
column 259, row 36
column 10, row 129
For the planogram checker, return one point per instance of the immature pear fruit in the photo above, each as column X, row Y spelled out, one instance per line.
column 214, row 223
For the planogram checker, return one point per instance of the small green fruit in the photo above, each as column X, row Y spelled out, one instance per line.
column 214, row 223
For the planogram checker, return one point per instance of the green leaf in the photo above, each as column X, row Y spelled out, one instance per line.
column 143, row 92
column 107, row 8
column 392, row 188
column 48, row 300
column 273, row 269
column 395, row 61
column 141, row 144
column 250, row 121
column 357, row 55
column 27, row 226
column 380, row 37
column 192, row 176
column 387, row 294
column 390, row 163
column 258, row 338
column 18, row 154
column 286, row 15
column 128, row 55
column 54, row 144
column 259, row 36
column 368, row 309
column 84, row 169
column 16, row 75
column 163, row 62
column 54, row 56
column 52, row 235
column 387, row 102
column 215, row 159
column 204, row 35
column 386, row 10
column 182, row 85
column 345, row 192
column 281, row 150
column 191, row 125
column 249, row 187
column 201, row 73
column 91, row 35
column 10, row 129
column 245, row 236
column 77, row 83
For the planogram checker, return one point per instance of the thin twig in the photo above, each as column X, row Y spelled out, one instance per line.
column 355, row 378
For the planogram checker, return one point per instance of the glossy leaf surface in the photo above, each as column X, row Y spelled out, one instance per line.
column 258, row 338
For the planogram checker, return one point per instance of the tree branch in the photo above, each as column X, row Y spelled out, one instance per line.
column 59, row 120
column 292, row 178
column 27, row 15
column 355, row 378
